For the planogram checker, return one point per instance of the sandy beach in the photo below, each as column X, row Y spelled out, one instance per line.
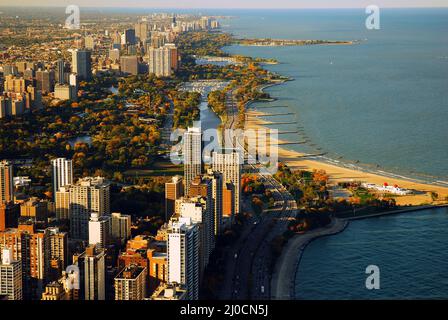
column 296, row 160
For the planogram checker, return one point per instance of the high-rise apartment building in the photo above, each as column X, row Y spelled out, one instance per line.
column 59, row 253
column 60, row 71
column 99, row 230
column 45, row 80
column 129, row 36
column 130, row 283
column 173, row 191
column 196, row 210
column 10, row 276
column 62, row 203
column 92, row 267
column 13, row 84
column 62, row 173
column 82, row 64
column 121, row 227
column 32, row 248
column 192, row 153
column 160, row 61
column 142, row 29
column 229, row 163
column 183, row 255
column 129, row 65
column 6, row 182
column 88, row 195
column 217, row 199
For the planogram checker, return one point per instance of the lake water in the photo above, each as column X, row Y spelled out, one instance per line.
column 382, row 103
column 409, row 249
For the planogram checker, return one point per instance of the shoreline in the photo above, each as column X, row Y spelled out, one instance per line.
column 286, row 268
column 338, row 173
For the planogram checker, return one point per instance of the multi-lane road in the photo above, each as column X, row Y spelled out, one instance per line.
column 249, row 262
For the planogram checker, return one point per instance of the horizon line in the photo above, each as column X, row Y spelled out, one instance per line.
column 226, row 8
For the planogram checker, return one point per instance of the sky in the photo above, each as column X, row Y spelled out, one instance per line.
column 230, row 3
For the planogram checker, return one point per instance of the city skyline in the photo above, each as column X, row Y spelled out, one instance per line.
column 233, row 4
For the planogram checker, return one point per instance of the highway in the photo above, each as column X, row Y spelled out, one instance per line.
column 248, row 268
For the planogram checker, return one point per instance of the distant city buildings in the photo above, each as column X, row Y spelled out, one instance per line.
column 129, row 65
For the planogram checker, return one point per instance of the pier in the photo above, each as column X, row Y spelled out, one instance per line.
column 276, row 114
column 271, row 107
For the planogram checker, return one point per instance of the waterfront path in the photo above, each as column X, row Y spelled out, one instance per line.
column 283, row 278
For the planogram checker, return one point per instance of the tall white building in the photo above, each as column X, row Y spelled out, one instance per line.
column 121, row 227
column 99, row 230
column 88, row 195
column 10, row 276
column 229, row 163
column 160, row 61
column 62, row 170
column 183, row 255
column 196, row 210
column 192, row 153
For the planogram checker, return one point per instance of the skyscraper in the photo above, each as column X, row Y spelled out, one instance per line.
column 10, row 276
column 99, row 230
column 121, row 227
column 173, row 191
column 60, row 71
column 129, row 36
column 58, row 248
column 174, row 56
column 196, row 210
column 6, row 179
column 88, row 195
column 130, row 283
column 82, row 64
column 192, row 153
column 62, row 203
column 92, row 268
column 45, row 80
column 62, row 170
column 217, row 198
column 31, row 247
column 129, row 65
column 229, row 163
column 142, row 30
column 183, row 255
column 160, row 61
